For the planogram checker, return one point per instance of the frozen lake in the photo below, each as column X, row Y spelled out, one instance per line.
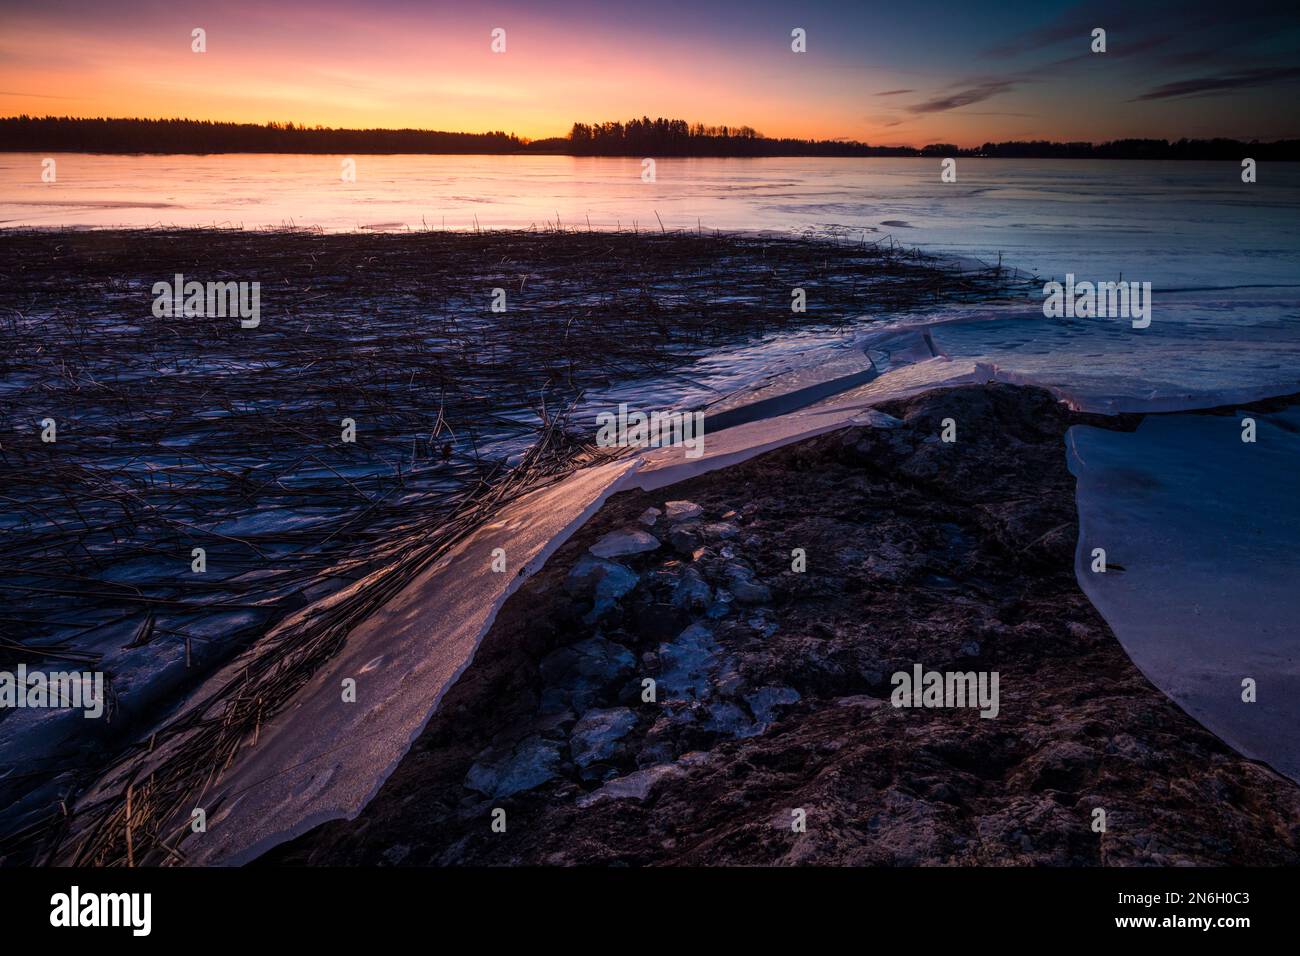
column 1222, row 256
column 1185, row 227
column 1175, row 224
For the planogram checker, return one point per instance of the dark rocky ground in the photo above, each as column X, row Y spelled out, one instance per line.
column 773, row 686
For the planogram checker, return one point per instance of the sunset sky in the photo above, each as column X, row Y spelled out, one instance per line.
column 900, row 72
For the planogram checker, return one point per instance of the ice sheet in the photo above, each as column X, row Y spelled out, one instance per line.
column 1205, row 527
column 1201, row 350
column 321, row 758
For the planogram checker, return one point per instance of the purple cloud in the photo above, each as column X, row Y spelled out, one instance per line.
column 964, row 97
column 1221, row 83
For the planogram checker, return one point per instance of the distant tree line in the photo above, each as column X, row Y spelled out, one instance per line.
column 1226, row 149
column 635, row 137
column 67, row 134
column 676, row 137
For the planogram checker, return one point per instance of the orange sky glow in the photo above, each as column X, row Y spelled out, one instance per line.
column 414, row 65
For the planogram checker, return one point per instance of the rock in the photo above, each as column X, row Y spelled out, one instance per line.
column 686, row 664
column 500, row 772
column 743, row 586
column 555, row 726
column 1061, row 765
column 729, row 683
column 721, row 605
column 724, row 717
column 624, row 541
column 649, row 517
column 596, row 735
column 764, row 701
column 721, row 529
column 396, row 853
column 692, row 591
column 859, row 700
column 578, row 675
column 683, row 510
column 872, row 676
column 635, row 786
column 970, row 649
column 685, row 539
column 659, row 745
column 596, row 578
column 600, row 581
column 875, row 418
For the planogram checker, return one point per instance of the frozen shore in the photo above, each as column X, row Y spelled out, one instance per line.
column 219, row 492
column 774, row 684
column 911, row 370
column 329, row 779
column 324, row 757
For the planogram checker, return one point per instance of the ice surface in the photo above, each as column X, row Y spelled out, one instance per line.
column 1206, row 528
column 1177, row 224
column 321, row 758
column 1201, row 350
column 667, row 466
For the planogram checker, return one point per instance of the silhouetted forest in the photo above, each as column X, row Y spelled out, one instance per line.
column 66, row 134
column 1226, row 149
column 676, row 137
column 635, row 137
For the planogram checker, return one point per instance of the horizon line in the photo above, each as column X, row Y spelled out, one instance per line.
column 567, row 136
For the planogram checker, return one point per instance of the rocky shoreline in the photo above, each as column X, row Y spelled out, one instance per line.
column 772, row 682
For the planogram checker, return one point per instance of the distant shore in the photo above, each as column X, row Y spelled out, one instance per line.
column 637, row 138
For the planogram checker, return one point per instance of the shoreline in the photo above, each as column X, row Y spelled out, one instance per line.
column 780, row 698
column 786, row 407
column 177, row 432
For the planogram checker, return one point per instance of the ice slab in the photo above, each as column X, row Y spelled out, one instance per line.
column 666, row 466
column 1202, row 349
column 322, row 758
column 1206, row 528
